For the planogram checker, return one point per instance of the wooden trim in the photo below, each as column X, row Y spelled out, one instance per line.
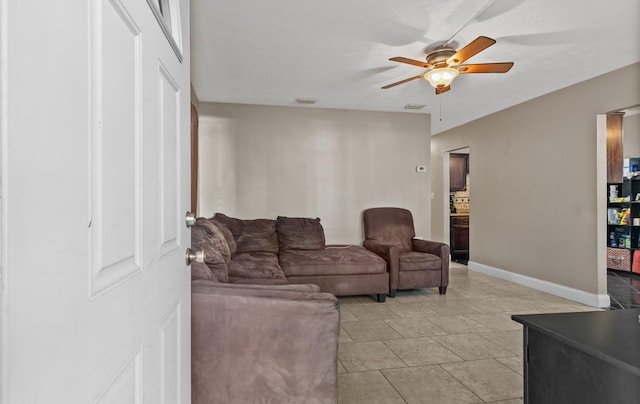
column 194, row 159
column 614, row 148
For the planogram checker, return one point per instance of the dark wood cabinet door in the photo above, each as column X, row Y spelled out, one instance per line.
column 458, row 168
column 459, row 235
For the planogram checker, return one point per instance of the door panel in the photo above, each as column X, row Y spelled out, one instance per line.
column 169, row 161
column 96, row 294
column 115, row 145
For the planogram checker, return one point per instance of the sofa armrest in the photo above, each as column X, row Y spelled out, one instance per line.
column 263, row 345
column 389, row 253
column 377, row 248
column 442, row 250
column 431, row 247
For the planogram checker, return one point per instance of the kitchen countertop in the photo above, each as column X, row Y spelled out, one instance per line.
column 459, row 214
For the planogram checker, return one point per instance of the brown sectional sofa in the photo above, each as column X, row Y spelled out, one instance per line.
column 287, row 251
column 262, row 343
column 263, row 327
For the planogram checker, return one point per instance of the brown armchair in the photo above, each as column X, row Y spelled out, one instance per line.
column 412, row 263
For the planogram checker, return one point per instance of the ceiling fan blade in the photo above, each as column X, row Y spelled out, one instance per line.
column 411, row 62
column 440, row 90
column 485, row 68
column 477, row 45
column 402, row 81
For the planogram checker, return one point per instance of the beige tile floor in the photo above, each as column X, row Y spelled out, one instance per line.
column 422, row 347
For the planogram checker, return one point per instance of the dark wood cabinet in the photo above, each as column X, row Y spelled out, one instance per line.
column 581, row 358
column 459, row 242
column 458, row 169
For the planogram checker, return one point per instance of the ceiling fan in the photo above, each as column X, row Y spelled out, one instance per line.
column 444, row 64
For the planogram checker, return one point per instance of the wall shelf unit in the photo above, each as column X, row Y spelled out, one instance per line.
column 623, row 224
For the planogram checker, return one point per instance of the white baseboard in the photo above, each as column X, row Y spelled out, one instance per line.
column 580, row 296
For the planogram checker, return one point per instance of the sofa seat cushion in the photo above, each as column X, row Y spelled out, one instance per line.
column 344, row 260
column 418, row 261
column 255, row 265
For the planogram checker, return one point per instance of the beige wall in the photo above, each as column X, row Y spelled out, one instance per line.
column 265, row 161
column 194, row 98
column 533, row 176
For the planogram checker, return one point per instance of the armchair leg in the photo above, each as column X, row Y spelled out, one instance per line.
column 443, row 290
column 382, row 297
column 392, row 293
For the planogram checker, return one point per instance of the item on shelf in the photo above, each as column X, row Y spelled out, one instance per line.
column 624, row 241
column 631, row 167
column 613, row 216
column 613, row 193
column 635, row 266
column 625, row 217
column 619, row 259
column 613, row 239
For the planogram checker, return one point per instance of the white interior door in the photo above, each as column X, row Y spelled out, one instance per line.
column 95, row 180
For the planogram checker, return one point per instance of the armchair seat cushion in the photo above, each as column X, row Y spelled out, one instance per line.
column 347, row 260
column 255, row 265
column 418, row 261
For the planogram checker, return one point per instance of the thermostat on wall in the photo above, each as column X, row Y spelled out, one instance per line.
column 421, row 169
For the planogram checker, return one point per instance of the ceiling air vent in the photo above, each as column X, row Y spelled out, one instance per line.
column 414, row 106
column 306, row 100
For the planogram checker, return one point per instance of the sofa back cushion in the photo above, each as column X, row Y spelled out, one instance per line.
column 223, row 223
column 207, row 238
column 389, row 226
column 200, row 270
column 251, row 235
column 299, row 233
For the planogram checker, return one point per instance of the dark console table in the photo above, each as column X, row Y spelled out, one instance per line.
column 586, row 357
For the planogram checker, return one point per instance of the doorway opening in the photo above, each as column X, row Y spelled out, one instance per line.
column 618, row 215
column 459, row 203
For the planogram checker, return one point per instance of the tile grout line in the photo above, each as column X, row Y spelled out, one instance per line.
column 394, row 387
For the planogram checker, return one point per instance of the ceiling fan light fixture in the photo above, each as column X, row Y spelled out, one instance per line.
column 441, row 77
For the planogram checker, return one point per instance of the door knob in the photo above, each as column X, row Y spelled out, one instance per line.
column 193, row 255
column 190, row 219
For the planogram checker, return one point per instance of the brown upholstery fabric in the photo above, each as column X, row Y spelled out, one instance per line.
column 234, row 225
column 350, row 260
column 213, row 244
column 417, row 261
column 263, row 346
column 299, row 233
column 231, row 241
column 255, row 265
column 390, row 226
column 411, row 263
column 256, row 281
column 347, row 285
column 216, row 236
column 200, row 271
column 253, row 286
column 253, row 235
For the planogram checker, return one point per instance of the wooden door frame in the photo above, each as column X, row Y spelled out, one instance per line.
column 194, row 159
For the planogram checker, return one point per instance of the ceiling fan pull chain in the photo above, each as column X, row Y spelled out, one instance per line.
column 467, row 23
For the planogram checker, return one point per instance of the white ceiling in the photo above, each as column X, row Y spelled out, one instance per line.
column 337, row 51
